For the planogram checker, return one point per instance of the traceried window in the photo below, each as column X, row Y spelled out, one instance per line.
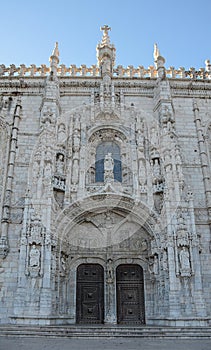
column 102, row 150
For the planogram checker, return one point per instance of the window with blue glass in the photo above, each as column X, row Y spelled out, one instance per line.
column 102, row 150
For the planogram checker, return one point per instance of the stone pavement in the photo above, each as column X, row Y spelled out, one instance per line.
column 44, row 343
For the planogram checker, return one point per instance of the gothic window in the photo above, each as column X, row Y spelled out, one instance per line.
column 102, row 150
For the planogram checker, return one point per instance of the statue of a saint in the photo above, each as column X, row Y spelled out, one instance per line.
column 108, row 167
column 34, row 257
column 110, row 272
column 60, row 164
column 184, row 260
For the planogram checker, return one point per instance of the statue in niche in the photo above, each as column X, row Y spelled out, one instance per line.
column 60, row 164
column 106, row 66
column 184, row 257
column 154, row 265
column 108, row 167
column 36, row 228
column 34, row 257
column 61, row 134
column 63, row 264
column 156, row 170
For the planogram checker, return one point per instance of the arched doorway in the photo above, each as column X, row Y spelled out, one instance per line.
column 90, row 294
column 130, row 294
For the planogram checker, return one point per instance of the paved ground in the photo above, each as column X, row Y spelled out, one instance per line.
column 11, row 343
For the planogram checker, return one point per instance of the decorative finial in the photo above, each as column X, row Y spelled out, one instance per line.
column 54, row 60
column 106, row 53
column 156, row 52
column 105, row 39
column 56, row 50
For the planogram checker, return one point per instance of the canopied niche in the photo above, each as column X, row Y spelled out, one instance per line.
column 101, row 143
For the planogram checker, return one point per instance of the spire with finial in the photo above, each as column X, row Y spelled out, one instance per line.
column 156, row 53
column 105, row 38
column 106, row 53
column 54, row 59
column 159, row 62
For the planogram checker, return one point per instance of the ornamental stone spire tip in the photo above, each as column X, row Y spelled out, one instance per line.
column 55, row 54
column 56, row 50
column 106, row 53
column 105, row 39
column 54, row 60
column 156, row 53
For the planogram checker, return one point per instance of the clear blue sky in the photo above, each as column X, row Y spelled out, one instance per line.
column 182, row 29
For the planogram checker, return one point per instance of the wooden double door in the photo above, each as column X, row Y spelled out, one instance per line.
column 129, row 291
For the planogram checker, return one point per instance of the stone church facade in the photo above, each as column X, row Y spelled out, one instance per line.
column 105, row 193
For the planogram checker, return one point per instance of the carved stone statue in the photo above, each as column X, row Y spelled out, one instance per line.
column 156, row 171
column 60, row 164
column 110, row 272
column 61, row 133
column 108, row 167
column 154, row 265
column 34, row 257
column 184, row 257
column 106, row 66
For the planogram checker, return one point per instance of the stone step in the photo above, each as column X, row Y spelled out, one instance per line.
column 105, row 331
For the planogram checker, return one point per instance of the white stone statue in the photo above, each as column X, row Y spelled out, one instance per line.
column 110, row 272
column 61, row 133
column 184, row 257
column 60, row 164
column 108, row 167
column 34, row 257
column 106, row 66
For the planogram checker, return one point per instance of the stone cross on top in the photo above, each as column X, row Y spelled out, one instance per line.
column 105, row 39
column 105, row 28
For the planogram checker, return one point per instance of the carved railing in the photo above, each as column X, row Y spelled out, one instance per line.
column 94, row 71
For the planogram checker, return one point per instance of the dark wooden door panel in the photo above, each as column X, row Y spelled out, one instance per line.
column 90, row 294
column 130, row 294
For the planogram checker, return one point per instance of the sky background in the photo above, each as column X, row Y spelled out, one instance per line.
column 182, row 30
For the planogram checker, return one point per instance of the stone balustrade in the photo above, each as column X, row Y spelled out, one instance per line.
column 94, row 71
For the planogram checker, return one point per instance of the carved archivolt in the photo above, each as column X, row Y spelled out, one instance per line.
column 112, row 217
column 107, row 134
